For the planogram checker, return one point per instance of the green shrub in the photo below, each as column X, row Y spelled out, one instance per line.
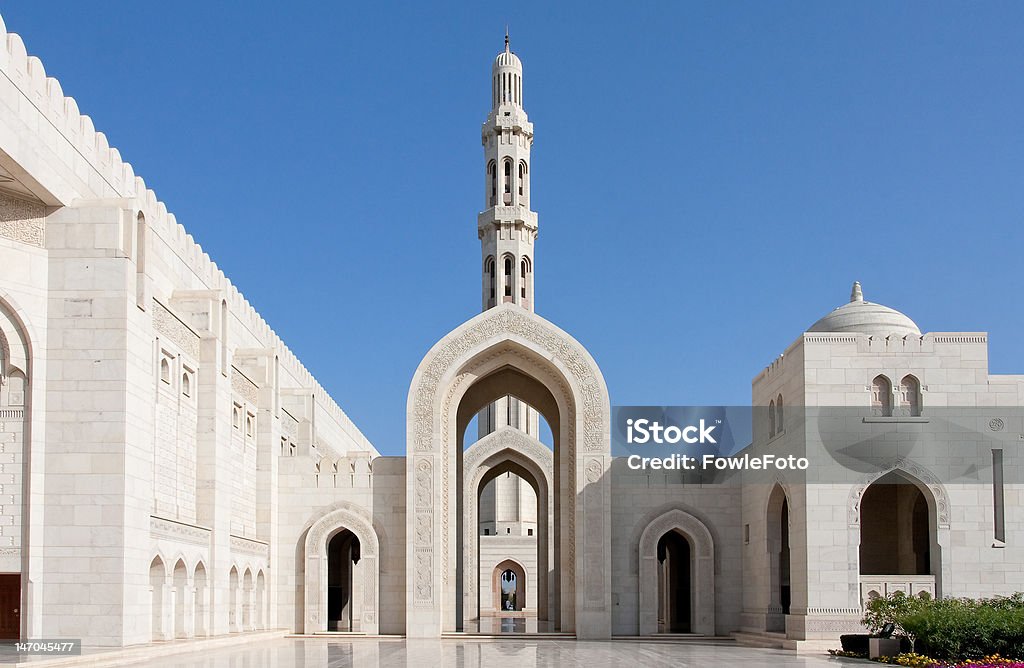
column 954, row 628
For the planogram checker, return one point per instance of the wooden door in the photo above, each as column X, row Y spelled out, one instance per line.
column 10, row 605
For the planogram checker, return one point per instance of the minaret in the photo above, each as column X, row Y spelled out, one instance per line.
column 507, row 227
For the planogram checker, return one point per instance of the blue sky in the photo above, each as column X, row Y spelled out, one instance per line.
column 710, row 177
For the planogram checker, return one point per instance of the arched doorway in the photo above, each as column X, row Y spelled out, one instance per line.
column 261, row 601
column 677, row 571
column 247, row 600
column 342, row 560
column 779, row 581
column 508, row 351
column 233, row 612
column 509, row 452
column 202, row 591
column 181, row 617
column 675, row 598
column 509, row 587
column 342, row 580
column 157, row 586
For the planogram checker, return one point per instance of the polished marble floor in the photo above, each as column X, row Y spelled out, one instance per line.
column 473, row 653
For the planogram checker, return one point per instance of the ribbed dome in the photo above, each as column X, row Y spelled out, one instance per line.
column 866, row 318
column 506, row 59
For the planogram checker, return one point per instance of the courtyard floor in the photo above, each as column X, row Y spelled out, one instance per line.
column 471, row 653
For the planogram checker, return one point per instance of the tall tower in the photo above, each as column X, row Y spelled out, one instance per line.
column 507, row 227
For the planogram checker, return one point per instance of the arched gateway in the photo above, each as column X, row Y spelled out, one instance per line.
column 508, row 350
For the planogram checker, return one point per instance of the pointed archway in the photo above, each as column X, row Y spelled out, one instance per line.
column 701, row 575
column 508, row 350
column 509, row 450
column 364, row 579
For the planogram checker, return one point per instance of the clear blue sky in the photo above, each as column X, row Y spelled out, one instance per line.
column 710, row 177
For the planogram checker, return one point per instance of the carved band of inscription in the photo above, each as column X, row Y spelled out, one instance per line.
column 248, row 546
column 167, row 324
column 22, row 220
column 179, row 531
column 244, row 387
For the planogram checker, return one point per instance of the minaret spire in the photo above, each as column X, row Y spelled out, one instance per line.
column 507, row 228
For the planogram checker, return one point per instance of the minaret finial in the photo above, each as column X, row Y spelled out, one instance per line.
column 856, row 295
column 506, row 37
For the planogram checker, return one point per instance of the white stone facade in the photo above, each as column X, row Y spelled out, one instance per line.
column 169, row 469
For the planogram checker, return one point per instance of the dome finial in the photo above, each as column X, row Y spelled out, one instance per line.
column 856, row 295
column 506, row 38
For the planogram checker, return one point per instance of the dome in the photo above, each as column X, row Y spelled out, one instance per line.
column 866, row 318
column 506, row 59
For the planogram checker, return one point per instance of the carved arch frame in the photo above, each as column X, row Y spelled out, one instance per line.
column 319, row 534
column 935, row 495
column 702, row 571
column 507, row 335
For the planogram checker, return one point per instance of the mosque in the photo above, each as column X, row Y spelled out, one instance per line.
column 170, row 470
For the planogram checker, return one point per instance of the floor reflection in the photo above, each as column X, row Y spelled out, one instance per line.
column 498, row 625
column 479, row 652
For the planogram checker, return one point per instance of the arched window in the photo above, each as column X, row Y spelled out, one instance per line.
column 508, row 277
column 780, row 425
column 910, row 396
column 771, row 419
column 492, row 169
column 508, row 182
column 881, row 396
column 186, row 384
column 165, row 370
column 522, row 179
column 491, row 278
column 523, row 270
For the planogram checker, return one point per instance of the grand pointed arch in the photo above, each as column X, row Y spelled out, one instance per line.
column 508, row 350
